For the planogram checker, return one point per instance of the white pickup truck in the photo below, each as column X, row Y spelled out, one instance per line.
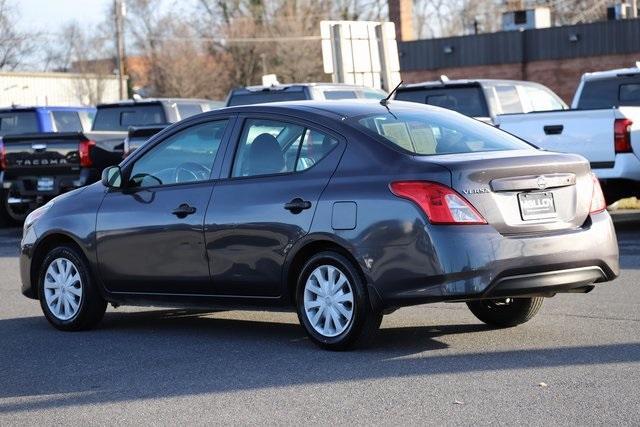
column 603, row 124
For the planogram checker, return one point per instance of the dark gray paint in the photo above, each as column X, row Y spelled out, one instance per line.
column 250, row 241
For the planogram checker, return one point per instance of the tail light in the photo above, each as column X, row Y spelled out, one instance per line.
column 598, row 203
column 441, row 204
column 3, row 156
column 622, row 135
column 84, row 150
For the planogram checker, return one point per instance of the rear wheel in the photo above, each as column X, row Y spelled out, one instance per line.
column 505, row 312
column 68, row 294
column 11, row 214
column 333, row 305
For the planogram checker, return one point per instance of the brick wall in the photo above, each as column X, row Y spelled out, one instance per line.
column 562, row 76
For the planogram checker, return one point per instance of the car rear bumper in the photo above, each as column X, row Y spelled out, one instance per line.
column 626, row 166
column 474, row 262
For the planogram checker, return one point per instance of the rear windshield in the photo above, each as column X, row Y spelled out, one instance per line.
column 467, row 100
column 437, row 132
column 18, row 122
column 260, row 97
column 119, row 118
column 608, row 93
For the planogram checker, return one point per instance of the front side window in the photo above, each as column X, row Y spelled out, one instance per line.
column 67, row 121
column 185, row 157
column 272, row 147
column 436, row 132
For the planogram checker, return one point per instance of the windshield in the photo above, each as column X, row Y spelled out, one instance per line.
column 438, row 132
column 18, row 122
column 119, row 118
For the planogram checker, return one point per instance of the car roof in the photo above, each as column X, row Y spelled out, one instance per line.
column 338, row 109
column 612, row 73
column 41, row 107
column 131, row 102
column 285, row 86
column 463, row 82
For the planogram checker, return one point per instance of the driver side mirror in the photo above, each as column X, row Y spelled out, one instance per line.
column 112, row 177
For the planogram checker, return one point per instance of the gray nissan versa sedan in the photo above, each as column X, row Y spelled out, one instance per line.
column 343, row 211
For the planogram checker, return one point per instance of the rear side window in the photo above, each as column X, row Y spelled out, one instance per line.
column 18, row 122
column 435, row 132
column 630, row 94
column 467, row 100
column 508, row 99
column 188, row 110
column 601, row 93
column 272, row 147
column 121, row 117
column 67, row 121
column 261, row 97
column 340, row 94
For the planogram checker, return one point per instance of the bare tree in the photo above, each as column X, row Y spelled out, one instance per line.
column 15, row 46
column 179, row 62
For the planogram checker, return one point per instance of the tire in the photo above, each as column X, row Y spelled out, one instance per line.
column 341, row 332
column 9, row 217
column 505, row 312
column 80, row 289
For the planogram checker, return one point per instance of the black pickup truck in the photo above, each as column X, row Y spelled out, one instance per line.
column 39, row 166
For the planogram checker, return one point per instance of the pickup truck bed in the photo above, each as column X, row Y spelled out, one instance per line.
column 599, row 135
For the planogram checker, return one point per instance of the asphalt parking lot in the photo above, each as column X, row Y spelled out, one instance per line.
column 431, row 364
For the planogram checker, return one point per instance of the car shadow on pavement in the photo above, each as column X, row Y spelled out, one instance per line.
column 167, row 353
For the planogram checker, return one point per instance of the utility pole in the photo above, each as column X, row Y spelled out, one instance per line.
column 119, row 12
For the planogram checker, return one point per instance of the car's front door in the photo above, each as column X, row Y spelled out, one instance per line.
column 150, row 234
column 266, row 202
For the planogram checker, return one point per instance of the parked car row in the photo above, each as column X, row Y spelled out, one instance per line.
column 46, row 151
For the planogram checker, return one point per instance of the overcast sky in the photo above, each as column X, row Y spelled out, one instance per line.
column 50, row 15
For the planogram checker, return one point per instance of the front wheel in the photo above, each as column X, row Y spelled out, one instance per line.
column 505, row 312
column 333, row 305
column 68, row 294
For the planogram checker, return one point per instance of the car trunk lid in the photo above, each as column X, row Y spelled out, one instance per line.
column 523, row 191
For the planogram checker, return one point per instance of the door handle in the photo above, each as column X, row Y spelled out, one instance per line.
column 553, row 129
column 297, row 205
column 183, row 210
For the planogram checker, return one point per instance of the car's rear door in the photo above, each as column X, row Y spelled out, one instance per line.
column 266, row 201
column 149, row 235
